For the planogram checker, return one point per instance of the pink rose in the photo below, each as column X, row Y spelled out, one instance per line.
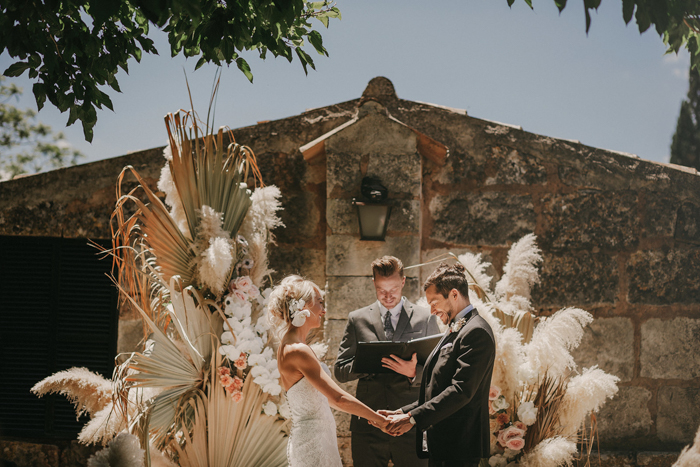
column 240, row 295
column 509, row 433
column 236, row 384
column 243, row 283
column 236, row 396
column 516, row 444
column 241, row 363
column 491, row 411
column 494, row 425
column 520, row 425
column 226, row 380
column 494, row 392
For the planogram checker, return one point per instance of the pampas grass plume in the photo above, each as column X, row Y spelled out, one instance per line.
column 477, row 269
column 551, row 452
column 215, row 264
column 690, row 456
column 102, row 427
column 585, row 393
column 509, row 357
column 520, row 272
column 123, row 451
column 554, row 337
column 166, row 184
column 88, row 391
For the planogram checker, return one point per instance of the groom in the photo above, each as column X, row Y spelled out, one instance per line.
column 451, row 414
column 391, row 317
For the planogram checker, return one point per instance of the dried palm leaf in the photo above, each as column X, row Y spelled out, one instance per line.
column 548, row 398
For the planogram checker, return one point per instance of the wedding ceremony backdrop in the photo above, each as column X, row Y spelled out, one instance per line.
column 620, row 238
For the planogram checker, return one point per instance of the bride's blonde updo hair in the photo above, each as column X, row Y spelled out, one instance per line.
column 291, row 288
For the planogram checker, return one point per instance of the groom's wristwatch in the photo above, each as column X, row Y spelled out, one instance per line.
column 411, row 419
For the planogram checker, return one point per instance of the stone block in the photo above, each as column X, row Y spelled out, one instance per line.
column 405, row 217
column 509, row 166
column 659, row 215
column 608, row 343
column 301, row 216
column 29, row 454
column 308, row 262
column 334, row 331
column 678, row 414
column 375, row 133
column 399, row 173
column 130, row 335
column 350, row 256
column 688, row 223
column 347, row 293
column 341, row 216
column 577, row 278
column 670, row 348
column 343, row 174
column 77, row 454
column 344, row 447
column 607, row 459
column 664, row 277
column 589, row 219
column 491, row 218
column 625, row 417
column 656, row 459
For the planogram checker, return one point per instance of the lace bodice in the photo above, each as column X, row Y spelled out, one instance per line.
column 312, row 441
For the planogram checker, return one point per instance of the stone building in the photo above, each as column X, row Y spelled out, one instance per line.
column 620, row 238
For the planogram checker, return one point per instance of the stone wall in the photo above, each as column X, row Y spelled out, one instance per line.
column 620, row 236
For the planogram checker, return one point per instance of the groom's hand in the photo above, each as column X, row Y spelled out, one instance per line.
column 399, row 424
column 401, row 366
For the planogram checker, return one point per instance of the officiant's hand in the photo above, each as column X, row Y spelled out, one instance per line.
column 401, row 366
column 399, row 424
column 381, row 422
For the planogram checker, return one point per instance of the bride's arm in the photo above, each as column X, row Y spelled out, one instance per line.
column 305, row 360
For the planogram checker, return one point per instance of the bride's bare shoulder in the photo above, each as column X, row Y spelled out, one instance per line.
column 296, row 353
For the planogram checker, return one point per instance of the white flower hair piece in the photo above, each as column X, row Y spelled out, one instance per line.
column 297, row 312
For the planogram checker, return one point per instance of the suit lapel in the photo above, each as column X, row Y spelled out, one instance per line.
column 376, row 321
column 404, row 318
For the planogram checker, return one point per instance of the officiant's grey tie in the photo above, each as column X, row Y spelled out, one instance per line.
column 388, row 328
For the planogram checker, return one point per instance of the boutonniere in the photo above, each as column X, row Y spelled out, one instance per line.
column 457, row 325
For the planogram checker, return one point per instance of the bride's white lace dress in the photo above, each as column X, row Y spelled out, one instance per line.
column 312, row 441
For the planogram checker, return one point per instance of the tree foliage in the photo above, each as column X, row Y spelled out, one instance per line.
column 685, row 146
column 676, row 21
column 26, row 146
column 74, row 47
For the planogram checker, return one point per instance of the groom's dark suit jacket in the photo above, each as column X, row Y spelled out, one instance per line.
column 387, row 391
column 453, row 402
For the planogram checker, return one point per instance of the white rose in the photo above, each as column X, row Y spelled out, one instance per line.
column 498, row 461
column 500, row 404
column 270, row 408
column 527, row 413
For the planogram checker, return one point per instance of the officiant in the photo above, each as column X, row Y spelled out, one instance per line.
column 391, row 318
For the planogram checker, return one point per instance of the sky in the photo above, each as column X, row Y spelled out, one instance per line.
column 612, row 89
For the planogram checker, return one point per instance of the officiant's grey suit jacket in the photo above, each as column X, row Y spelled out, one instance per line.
column 387, row 391
column 453, row 403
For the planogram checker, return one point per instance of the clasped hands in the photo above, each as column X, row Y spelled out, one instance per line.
column 395, row 422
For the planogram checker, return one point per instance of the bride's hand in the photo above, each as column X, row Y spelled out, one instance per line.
column 382, row 422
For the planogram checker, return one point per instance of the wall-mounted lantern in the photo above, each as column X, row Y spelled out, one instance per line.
column 373, row 209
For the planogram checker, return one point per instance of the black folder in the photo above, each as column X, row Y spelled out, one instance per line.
column 368, row 357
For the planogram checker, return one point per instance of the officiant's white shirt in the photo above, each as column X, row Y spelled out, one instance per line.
column 395, row 312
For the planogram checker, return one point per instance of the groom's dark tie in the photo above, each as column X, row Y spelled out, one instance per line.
column 388, row 328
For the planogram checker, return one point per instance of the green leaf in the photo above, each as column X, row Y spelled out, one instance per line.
column 529, row 3
column 201, row 62
column 561, row 4
column 317, row 41
column 245, row 68
column 510, row 2
column 627, row 10
column 87, row 131
column 16, row 69
column 323, row 19
column 39, row 90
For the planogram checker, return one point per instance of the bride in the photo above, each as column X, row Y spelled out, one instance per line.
column 298, row 306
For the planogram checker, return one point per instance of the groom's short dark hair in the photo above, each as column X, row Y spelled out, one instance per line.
column 446, row 278
column 387, row 266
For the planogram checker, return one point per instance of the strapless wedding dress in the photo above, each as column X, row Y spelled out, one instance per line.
column 312, row 440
